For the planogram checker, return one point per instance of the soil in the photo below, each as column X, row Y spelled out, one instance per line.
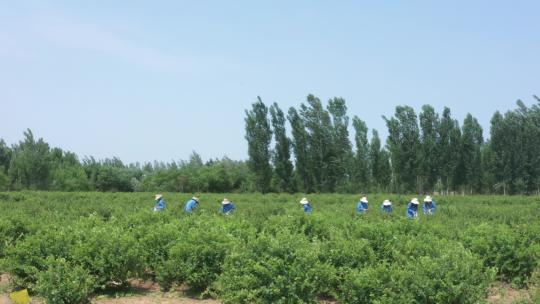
column 505, row 294
column 147, row 292
column 153, row 298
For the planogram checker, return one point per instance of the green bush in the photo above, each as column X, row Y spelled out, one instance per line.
column 196, row 258
column 111, row 255
column 270, row 252
column 280, row 269
column 64, row 283
column 505, row 248
column 454, row 276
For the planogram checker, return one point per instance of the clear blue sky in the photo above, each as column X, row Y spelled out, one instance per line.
column 155, row 80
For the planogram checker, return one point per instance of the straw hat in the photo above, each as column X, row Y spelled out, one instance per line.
column 225, row 202
column 428, row 199
column 195, row 198
column 415, row 201
column 364, row 199
column 304, row 201
column 387, row 203
column 158, row 196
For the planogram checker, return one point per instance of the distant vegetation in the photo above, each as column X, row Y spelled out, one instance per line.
column 308, row 150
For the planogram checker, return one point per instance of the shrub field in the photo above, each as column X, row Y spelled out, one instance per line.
column 67, row 247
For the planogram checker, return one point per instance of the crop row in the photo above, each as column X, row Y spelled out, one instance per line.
column 68, row 246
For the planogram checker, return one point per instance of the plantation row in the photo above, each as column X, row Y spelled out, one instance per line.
column 67, row 247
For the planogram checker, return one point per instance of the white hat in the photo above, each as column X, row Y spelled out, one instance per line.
column 364, row 199
column 304, row 201
column 428, row 199
column 225, row 201
column 387, row 203
column 195, row 198
column 158, row 196
column 415, row 201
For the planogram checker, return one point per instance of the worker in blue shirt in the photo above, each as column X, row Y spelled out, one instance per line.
column 412, row 208
column 306, row 205
column 159, row 203
column 386, row 206
column 362, row 206
column 429, row 206
column 227, row 207
column 192, row 204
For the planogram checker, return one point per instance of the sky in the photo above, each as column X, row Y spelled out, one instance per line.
column 157, row 80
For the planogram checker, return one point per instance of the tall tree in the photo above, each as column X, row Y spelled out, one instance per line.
column 362, row 172
column 5, row 156
column 379, row 164
column 283, row 167
column 471, row 155
column 259, row 136
column 428, row 161
column 403, row 142
column 301, row 151
column 449, row 150
column 342, row 161
column 30, row 165
column 321, row 155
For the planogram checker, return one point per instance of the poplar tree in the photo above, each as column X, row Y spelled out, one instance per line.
column 403, row 144
column 321, row 157
column 361, row 165
column 342, row 156
column 259, row 136
column 472, row 141
column 300, row 148
column 379, row 164
column 428, row 160
column 283, row 167
column 449, row 150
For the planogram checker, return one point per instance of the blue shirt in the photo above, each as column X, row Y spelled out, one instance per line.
column 308, row 208
column 191, row 205
column 429, row 208
column 387, row 209
column 228, row 208
column 160, row 205
column 412, row 210
column 361, row 207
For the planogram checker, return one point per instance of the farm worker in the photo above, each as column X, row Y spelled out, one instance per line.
column 191, row 204
column 412, row 208
column 362, row 206
column 227, row 207
column 160, row 203
column 430, row 206
column 305, row 204
column 386, row 206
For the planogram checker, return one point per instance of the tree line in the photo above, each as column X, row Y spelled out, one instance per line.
column 32, row 164
column 424, row 152
column 309, row 149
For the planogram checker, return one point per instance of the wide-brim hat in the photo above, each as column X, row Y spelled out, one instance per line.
column 415, row 201
column 195, row 198
column 364, row 199
column 158, row 196
column 225, row 201
column 428, row 199
column 304, row 201
column 387, row 203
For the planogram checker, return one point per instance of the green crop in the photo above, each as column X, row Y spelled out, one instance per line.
column 268, row 251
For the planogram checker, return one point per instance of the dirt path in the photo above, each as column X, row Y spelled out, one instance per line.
column 505, row 294
column 154, row 298
column 148, row 293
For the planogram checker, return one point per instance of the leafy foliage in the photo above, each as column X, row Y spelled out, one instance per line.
column 268, row 251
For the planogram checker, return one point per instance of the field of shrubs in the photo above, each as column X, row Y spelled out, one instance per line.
column 68, row 247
